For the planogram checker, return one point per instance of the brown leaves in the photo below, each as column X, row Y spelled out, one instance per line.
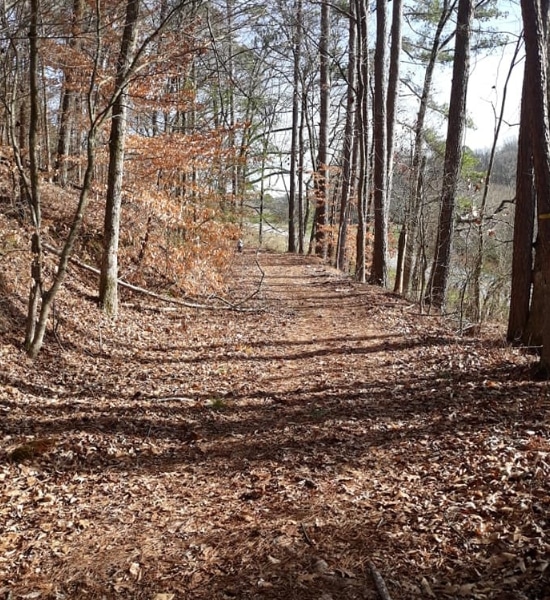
column 241, row 458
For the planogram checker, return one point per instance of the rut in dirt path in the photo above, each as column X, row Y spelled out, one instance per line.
column 328, row 324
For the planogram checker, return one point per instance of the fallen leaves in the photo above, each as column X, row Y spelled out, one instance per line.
column 241, row 458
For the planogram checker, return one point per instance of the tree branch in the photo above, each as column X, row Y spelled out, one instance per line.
column 170, row 300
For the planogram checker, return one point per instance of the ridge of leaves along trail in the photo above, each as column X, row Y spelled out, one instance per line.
column 272, row 454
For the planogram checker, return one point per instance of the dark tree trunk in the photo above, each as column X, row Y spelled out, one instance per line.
column 347, row 151
column 363, row 75
column 36, row 291
column 534, row 25
column 524, row 220
column 393, row 85
column 294, row 143
column 379, row 271
column 322, row 173
column 302, row 211
column 437, row 288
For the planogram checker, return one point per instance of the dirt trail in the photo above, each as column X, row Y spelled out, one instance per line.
column 176, row 454
column 324, row 320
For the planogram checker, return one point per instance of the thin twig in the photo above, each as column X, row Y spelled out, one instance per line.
column 306, row 535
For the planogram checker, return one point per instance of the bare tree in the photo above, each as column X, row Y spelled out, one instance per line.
column 393, row 84
column 68, row 102
column 362, row 140
column 98, row 110
column 411, row 220
column 294, row 144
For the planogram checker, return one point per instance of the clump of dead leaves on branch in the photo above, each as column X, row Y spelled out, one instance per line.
column 288, row 452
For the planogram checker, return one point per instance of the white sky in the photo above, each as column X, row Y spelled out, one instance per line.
column 485, row 88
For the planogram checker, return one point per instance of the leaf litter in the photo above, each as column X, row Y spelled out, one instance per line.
column 271, row 454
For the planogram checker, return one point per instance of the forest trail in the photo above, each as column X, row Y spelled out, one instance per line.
column 326, row 323
column 271, row 454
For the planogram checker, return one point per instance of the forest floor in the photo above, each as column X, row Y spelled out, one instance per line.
column 274, row 453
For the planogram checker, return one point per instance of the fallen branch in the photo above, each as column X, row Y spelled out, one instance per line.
column 379, row 582
column 250, row 296
column 141, row 290
column 259, row 288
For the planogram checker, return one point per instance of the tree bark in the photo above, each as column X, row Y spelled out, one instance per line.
column 437, row 287
column 294, row 143
column 535, row 22
column 393, row 87
column 36, row 292
column 379, row 271
column 322, row 171
column 347, row 150
column 302, row 211
column 108, row 288
column 363, row 75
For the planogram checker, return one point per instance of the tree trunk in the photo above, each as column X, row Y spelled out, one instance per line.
column 362, row 138
column 67, row 103
column 437, row 287
column 524, row 225
column 294, row 143
column 534, row 24
column 108, row 286
column 347, row 150
column 302, row 213
column 322, row 172
column 379, row 271
column 412, row 214
column 36, row 292
column 393, row 87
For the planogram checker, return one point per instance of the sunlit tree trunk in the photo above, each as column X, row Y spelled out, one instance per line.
column 108, row 284
column 363, row 75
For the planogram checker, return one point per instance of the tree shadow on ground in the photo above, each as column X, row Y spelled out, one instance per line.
column 241, row 481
